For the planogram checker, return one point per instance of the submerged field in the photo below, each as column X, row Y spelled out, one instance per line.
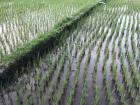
column 98, row 64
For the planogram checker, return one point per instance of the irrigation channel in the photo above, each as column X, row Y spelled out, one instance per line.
column 99, row 64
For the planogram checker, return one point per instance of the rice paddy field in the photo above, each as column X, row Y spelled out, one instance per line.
column 22, row 21
column 97, row 64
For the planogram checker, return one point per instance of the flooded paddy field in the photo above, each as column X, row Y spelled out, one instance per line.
column 98, row 64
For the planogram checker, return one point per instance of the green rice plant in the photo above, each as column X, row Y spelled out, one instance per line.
column 133, row 44
column 107, row 87
column 84, row 91
column 97, row 96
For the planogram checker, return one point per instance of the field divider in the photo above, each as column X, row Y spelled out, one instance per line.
column 19, row 58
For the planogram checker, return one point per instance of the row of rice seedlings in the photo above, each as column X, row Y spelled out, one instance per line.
column 104, row 72
column 134, row 69
column 134, row 41
column 95, row 87
column 138, row 40
column 85, row 74
column 108, row 92
column 121, row 34
column 132, row 38
column 119, row 87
